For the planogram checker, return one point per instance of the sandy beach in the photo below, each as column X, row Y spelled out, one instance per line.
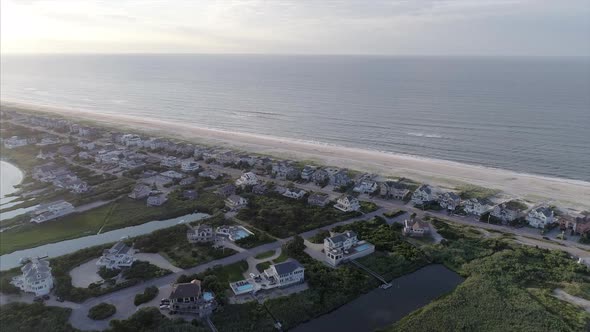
column 572, row 194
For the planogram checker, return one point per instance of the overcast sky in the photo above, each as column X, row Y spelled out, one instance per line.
column 412, row 27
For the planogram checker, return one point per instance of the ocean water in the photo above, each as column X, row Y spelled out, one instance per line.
column 529, row 115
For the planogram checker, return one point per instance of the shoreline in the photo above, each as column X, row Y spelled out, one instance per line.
column 570, row 193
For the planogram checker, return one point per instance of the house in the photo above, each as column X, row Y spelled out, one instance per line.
column 211, row 174
column 320, row 177
column 284, row 171
column 157, row 200
column 347, row 203
column 46, row 154
column 86, row 145
column 188, row 181
column 247, row 179
column 200, row 234
column 172, row 175
column 50, row 211
column 425, row 194
column 307, row 172
column 579, row 224
column 140, row 191
column 341, row 247
column 280, row 275
column 169, row 161
column 540, row 217
column 415, row 228
column 366, row 187
column 393, row 189
column 509, row 211
column 226, row 190
column 235, row 202
column 317, row 199
column 340, row 179
column 187, row 298
column 260, row 189
column 36, row 277
column 280, row 189
column 190, row 194
column 49, row 140
column 15, row 142
column 294, row 193
column 189, row 165
column 477, row 206
column 118, row 256
column 449, row 200
column 131, row 140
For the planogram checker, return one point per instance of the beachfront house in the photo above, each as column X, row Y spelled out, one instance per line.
column 157, row 200
column 235, row 202
column 366, row 187
column 415, row 228
column 285, row 171
column 247, row 179
column 320, row 177
column 393, row 189
column 425, row 194
column 477, row 206
column 345, row 246
column 318, row 199
column 36, row 277
column 50, row 211
column 340, row 179
column 294, row 193
column 449, row 200
column 200, row 234
column 347, row 203
column 118, row 256
column 307, row 172
column 189, row 165
column 508, row 212
column 187, row 298
column 540, row 217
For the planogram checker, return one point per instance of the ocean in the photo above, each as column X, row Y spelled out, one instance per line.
column 525, row 114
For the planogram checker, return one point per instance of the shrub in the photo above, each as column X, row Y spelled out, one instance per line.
column 101, row 311
column 148, row 294
column 105, row 273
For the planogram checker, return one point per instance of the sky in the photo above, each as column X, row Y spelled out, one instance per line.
column 399, row 27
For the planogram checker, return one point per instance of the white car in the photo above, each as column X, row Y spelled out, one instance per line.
column 164, row 307
column 252, row 275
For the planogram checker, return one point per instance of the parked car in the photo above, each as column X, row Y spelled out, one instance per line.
column 38, row 299
column 59, row 299
column 46, row 297
column 164, row 307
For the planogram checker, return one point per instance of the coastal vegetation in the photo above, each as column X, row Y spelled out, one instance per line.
column 33, row 317
column 284, row 217
column 148, row 294
column 102, row 311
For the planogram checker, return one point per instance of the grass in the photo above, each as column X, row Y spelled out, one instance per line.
column 223, row 274
column 469, row 191
column 121, row 213
column 265, row 254
column 393, row 214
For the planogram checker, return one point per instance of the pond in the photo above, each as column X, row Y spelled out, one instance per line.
column 381, row 308
column 11, row 260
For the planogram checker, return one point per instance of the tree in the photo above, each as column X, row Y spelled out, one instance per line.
column 295, row 247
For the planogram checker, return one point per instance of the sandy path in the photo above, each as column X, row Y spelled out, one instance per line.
column 569, row 193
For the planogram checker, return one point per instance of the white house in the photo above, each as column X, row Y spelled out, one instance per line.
column 247, row 179
column 345, row 246
column 36, row 277
column 366, row 187
column 540, row 217
column 235, row 202
column 424, row 194
column 15, row 142
column 276, row 276
column 507, row 212
column 51, row 211
column 120, row 255
column 476, row 206
column 294, row 193
column 169, row 161
column 189, row 165
column 347, row 203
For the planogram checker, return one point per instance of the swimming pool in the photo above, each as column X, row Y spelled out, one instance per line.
column 240, row 233
column 362, row 247
column 244, row 288
column 207, row 296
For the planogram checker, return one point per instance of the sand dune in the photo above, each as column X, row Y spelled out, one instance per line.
column 573, row 194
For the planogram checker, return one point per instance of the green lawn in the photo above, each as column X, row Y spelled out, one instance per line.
column 265, row 254
column 121, row 213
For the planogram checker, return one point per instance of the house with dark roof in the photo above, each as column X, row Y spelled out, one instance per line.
column 425, row 194
column 318, row 199
column 540, row 217
column 449, row 200
column 118, row 256
column 188, row 298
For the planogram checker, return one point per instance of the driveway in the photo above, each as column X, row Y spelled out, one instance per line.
column 85, row 274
